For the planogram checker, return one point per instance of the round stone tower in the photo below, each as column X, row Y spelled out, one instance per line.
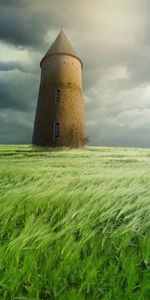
column 59, row 119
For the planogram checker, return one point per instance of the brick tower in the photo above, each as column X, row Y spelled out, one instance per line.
column 59, row 119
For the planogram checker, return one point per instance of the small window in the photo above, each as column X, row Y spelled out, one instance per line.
column 57, row 95
column 56, row 129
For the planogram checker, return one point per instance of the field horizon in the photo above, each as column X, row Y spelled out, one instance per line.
column 74, row 223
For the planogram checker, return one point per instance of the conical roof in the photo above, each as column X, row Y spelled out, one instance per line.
column 61, row 46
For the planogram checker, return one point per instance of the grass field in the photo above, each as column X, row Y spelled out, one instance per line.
column 74, row 224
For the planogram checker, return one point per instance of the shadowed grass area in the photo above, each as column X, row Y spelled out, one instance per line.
column 74, row 224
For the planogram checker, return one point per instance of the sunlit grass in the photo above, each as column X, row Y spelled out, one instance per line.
column 74, row 224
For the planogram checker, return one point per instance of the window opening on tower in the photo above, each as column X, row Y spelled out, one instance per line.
column 57, row 95
column 57, row 129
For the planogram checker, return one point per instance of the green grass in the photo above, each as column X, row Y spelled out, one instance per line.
column 74, row 224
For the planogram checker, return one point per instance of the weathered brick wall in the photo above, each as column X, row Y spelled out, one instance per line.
column 63, row 72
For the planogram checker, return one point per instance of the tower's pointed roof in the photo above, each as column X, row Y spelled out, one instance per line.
column 61, row 46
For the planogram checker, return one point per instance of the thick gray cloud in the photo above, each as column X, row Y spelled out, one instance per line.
column 21, row 25
column 12, row 65
column 112, row 38
column 16, row 129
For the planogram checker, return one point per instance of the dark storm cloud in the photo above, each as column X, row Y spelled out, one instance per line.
column 18, row 128
column 12, row 65
column 18, row 95
column 9, row 98
column 24, row 24
column 17, row 107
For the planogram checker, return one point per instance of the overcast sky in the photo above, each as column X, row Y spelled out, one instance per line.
column 112, row 37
